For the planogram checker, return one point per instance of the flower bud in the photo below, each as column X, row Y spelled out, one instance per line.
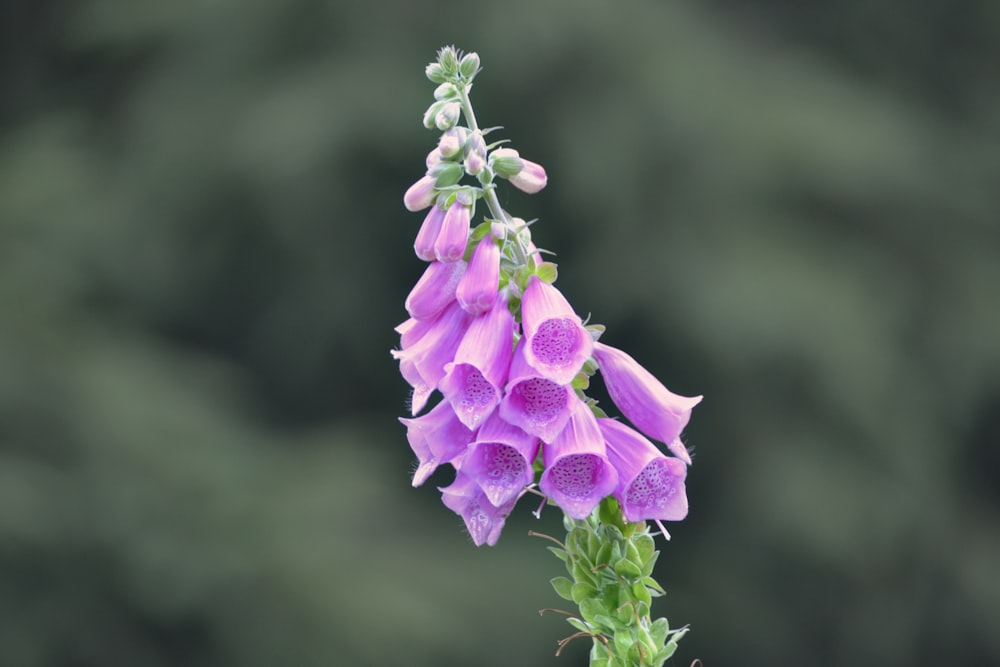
column 469, row 65
column 474, row 164
column 435, row 73
column 448, row 115
column 451, row 241
column 448, row 60
column 506, row 162
column 450, row 143
column 477, row 287
column 445, row 91
column 430, row 115
column 420, row 195
column 531, row 178
column 446, row 173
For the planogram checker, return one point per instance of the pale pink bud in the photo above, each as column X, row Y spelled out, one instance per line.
column 420, row 195
column 531, row 178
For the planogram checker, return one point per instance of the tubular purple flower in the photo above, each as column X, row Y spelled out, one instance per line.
column 435, row 289
column 477, row 289
column 557, row 344
column 650, row 485
column 500, row 459
column 536, row 404
column 423, row 245
column 577, row 473
column 420, row 195
column 531, row 178
column 483, row 520
column 451, row 241
column 473, row 380
column 427, row 346
column 651, row 407
column 436, row 438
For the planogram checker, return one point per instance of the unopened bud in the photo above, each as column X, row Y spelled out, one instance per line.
column 506, row 162
column 448, row 60
column 435, row 73
column 469, row 65
column 445, row 91
column 450, row 143
column 448, row 116
column 446, row 173
column 474, row 163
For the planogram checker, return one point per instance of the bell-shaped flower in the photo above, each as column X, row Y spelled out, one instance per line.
column 477, row 289
column 454, row 235
column 423, row 245
column 577, row 473
column 435, row 289
column 437, row 437
column 557, row 344
column 650, row 485
column 427, row 346
column 421, row 194
column 483, row 519
column 500, row 459
column 651, row 407
column 524, row 175
column 472, row 381
column 534, row 403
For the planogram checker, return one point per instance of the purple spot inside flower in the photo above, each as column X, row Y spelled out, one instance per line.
column 653, row 488
column 575, row 476
column 477, row 392
column 555, row 342
column 542, row 400
column 504, row 468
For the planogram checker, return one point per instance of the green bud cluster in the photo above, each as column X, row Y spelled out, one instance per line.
column 610, row 563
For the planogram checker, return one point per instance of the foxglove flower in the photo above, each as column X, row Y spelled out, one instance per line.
column 472, row 382
column 524, row 175
column 500, row 459
column 437, row 437
column 451, row 240
column 557, row 344
column 435, row 289
column 427, row 346
column 650, row 485
column 420, row 195
column 651, row 407
column 536, row 404
column 577, row 473
column 483, row 519
column 423, row 245
column 477, row 289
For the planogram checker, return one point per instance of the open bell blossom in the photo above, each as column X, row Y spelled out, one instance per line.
column 477, row 288
column 650, row 485
column 483, row 519
column 472, row 382
column 557, row 343
column 421, row 194
column 435, row 289
column 436, row 438
column 536, row 404
column 449, row 246
column 499, row 460
column 427, row 347
column 651, row 407
column 578, row 474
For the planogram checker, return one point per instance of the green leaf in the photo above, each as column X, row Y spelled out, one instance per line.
column 641, row 593
column 657, row 590
column 563, row 587
column 646, row 547
column 578, row 624
column 582, row 591
column 658, row 631
column 648, row 565
column 623, row 641
column 559, row 553
column 627, row 568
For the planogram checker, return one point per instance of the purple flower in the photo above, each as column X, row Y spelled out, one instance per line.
column 577, row 473
column 483, row 519
column 650, row 485
column 427, row 346
column 420, row 195
column 472, row 381
column 557, row 344
column 531, row 178
column 423, row 245
column 536, row 404
column 454, row 235
column 435, row 289
column 500, row 460
column 437, row 437
column 651, row 407
column 477, row 290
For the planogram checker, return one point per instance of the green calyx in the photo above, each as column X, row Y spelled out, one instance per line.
column 610, row 562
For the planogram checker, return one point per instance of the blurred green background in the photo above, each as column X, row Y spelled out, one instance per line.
column 791, row 209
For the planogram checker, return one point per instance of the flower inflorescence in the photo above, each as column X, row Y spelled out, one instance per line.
column 512, row 359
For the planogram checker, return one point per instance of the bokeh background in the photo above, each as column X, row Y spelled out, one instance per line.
column 790, row 208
